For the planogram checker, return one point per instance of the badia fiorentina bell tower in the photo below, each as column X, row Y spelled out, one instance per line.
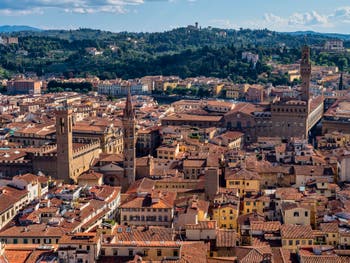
column 129, row 125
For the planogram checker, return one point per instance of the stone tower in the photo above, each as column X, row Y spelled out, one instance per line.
column 64, row 140
column 211, row 183
column 129, row 123
column 305, row 73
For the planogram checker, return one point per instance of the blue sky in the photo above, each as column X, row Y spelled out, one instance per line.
column 161, row 15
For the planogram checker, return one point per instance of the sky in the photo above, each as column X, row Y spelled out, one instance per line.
column 162, row 15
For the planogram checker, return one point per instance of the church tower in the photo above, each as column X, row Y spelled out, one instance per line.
column 305, row 73
column 129, row 123
column 64, row 141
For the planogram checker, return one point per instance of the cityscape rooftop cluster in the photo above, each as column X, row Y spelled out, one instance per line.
column 131, row 171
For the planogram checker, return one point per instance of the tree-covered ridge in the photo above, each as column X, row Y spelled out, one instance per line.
column 186, row 52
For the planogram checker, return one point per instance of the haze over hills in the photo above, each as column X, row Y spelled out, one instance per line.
column 332, row 35
column 24, row 28
column 11, row 29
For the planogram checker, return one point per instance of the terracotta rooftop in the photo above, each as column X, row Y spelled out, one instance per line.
column 90, row 175
column 187, row 117
column 128, row 234
column 33, row 231
column 252, row 254
column 226, row 238
column 270, row 226
column 329, row 227
column 296, row 232
column 242, row 174
column 202, row 225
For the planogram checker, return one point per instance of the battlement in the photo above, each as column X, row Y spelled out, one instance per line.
column 45, row 154
column 9, row 162
column 46, row 151
column 64, row 108
column 86, row 148
column 33, row 135
column 48, row 148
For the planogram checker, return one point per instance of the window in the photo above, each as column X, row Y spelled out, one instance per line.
column 159, row 252
column 296, row 214
column 290, row 242
column 175, row 253
column 297, row 242
column 115, row 252
column 303, row 242
column 131, row 253
column 310, row 242
column 25, row 241
column 306, row 214
column 15, row 241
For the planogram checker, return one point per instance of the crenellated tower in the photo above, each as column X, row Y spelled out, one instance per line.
column 305, row 73
column 64, row 141
column 129, row 124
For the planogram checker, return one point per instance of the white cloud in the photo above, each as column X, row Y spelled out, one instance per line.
column 308, row 19
column 341, row 15
column 26, row 7
column 14, row 12
column 304, row 21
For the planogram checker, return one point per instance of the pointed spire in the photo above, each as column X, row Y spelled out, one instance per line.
column 128, row 110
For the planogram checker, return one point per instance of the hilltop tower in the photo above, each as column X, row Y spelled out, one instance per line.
column 129, row 123
column 64, row 140
column 305, row 73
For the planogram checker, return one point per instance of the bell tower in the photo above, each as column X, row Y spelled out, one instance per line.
column 129, row 124
column 305, row 73
column 64, row 141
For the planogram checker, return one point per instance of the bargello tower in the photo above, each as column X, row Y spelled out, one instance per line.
column 64, row 139
column 129, row 124
column 305, row 73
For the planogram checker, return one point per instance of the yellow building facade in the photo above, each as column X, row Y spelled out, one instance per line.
column 226, row 216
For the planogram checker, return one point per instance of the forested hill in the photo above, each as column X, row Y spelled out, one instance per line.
column 186, row 52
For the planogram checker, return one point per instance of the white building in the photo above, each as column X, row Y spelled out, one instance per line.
column 27, row 182
column 344, row 167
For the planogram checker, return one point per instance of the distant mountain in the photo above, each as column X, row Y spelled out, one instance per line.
column 10, row 29
column 313, row 33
